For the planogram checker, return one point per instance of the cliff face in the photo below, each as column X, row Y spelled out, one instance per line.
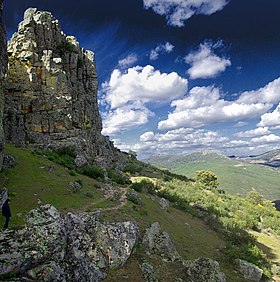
column 3, row 65
column 51, row 91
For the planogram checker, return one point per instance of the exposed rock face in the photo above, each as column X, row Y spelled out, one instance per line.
column 160, row 242
column 51, row 92
column 53, row 247
column 164, row 204
column 3, row 196
column 249, row 270
column 3, row 66
column 204, row 269
column 148, row 272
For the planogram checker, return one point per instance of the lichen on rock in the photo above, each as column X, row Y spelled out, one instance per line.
column 73, row 247
column 51, row 92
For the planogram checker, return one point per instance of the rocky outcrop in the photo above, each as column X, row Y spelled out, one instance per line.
column 3, row 66
column 204, row 269
column 164, row 204
column 157, row 241
column 148, row 272
column 51, row 92
column 3, row 196
column 72, row 247
column 249, row 270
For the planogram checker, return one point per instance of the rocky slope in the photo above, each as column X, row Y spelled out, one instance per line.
column 3, row 65
column 51, row 92
column 71, row 247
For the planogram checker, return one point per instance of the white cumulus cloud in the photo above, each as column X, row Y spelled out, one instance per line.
column 205, row 63
column 178, row 11
column 130, row 60
column 254, row 132
column 143, row 84
column 182, row 139
column 125, row 118
column 160, row 49
column 205, row 105
column 272, row 138
column 127, row 94
column 271, row 119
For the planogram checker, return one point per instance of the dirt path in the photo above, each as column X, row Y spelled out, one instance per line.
column 110, row 195
column 123, row 201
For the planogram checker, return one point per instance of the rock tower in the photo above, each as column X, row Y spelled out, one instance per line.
column 51, row 92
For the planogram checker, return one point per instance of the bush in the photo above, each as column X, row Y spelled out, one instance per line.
column 89, row 194
column 66, row 151
column 64, row 156
column 65, row 46
column 72, row 172
column 148, row 185
column 132, row 168
column 95, row 172
column 206, row 178
column 118, row 177
column 137, row 186
column 80, row 181
column 248, row 252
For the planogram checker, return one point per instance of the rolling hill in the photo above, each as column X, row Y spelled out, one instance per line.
column 235, row 176
column 271, row 158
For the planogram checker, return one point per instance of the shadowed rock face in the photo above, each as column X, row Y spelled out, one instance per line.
column 3, row 65
column 51, row 91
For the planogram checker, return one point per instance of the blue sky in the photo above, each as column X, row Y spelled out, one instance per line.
column 176, row 77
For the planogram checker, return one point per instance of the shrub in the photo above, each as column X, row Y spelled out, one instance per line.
column 248, row 252
column 72, row 172
column 95, row 172
column 66, row 151
column 88, row 194
column 64, row 156
column 132, row 168
column 137, row 186
column 117, row 177
column 206, row 178
column 65, row 46
column 80, row 181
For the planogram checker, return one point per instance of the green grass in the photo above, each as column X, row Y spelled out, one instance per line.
column 30, row 180
column 234, row 176
column 192, row 237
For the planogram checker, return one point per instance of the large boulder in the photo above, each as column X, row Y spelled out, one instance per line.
column 51, row 92
column 148, row 272
column 73, row 247
column 249, row 270
column 157, row 241
column 204, row 270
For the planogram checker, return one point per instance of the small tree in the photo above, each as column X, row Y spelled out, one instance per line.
column 132, row 154
column 206, row 178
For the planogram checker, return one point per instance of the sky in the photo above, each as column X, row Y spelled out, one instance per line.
column 177, row 76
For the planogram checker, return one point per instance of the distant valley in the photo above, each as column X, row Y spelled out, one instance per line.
column 235, row 175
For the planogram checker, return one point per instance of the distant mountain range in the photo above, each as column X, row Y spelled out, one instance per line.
column 271, row 158
column 236, row 175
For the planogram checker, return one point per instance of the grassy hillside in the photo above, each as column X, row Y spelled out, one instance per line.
column 35, row 180
column 234, row 176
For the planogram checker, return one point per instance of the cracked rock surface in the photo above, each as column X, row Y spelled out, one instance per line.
column 71, row 247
